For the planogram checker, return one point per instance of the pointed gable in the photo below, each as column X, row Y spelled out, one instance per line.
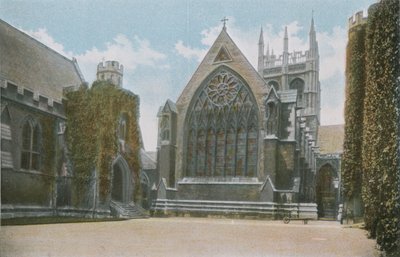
column 169, row 106
column 223, row 48
column 272, row 96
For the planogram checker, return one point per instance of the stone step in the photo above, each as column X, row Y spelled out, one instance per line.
column 128, row 211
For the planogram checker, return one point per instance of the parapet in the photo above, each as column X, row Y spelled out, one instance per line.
column 34, row 99
column 357, row 19
column 110, row 66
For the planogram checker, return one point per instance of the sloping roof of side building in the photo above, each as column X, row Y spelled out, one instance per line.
column 29, row 64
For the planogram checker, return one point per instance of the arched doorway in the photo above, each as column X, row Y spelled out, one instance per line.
column 122, row 183
column 326, row 192
column 144, row 183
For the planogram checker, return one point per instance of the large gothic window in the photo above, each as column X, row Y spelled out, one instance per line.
column 30, row 154
column 222, row 129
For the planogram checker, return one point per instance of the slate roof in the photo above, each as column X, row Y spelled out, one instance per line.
column 34, row 66
column 168, row 104
column 330, row 139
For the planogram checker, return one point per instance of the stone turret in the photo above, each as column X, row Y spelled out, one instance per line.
column 357, row 19
column 110, row 71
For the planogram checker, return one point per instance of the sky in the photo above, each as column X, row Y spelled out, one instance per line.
column 161, row 42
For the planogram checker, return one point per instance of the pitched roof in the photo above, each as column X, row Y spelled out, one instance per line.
column 330, row 139
column 34, row 66
column 236, row 61
column 169, row 106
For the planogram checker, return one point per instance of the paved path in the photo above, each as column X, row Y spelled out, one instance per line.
column 186, row 237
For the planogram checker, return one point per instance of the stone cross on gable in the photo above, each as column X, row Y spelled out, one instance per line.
column 224, row 20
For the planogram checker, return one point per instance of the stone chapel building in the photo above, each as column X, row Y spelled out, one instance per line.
column 39, row 175
column 242, row 141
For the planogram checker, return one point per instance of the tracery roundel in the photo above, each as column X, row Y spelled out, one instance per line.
column 222, row 89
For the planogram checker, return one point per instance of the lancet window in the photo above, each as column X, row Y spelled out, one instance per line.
column 222, row 129
column 30, row 153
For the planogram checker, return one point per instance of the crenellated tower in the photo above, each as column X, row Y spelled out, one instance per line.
column 110, row 71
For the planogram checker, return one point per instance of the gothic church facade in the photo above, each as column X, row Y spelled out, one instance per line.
column 240, row 140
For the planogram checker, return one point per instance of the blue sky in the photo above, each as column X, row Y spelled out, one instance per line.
column 160, row 43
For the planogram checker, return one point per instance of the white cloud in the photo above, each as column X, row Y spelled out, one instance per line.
column 129, row 53
column 43, row 36
column 332, row 48
column 190, row 52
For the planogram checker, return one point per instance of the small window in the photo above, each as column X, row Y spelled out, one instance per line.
column 165, row 128
column 122, row 130
column 30, row 154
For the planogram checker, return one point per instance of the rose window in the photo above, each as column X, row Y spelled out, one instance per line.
column 222, row 89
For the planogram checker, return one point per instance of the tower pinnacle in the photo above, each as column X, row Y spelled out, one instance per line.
column 313, row 38
column 261, row 52
column 261, row 40
column 286, row 41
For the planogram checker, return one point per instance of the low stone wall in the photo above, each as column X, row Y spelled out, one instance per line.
column 19, row 211
column 9, row 211
column 219, row 191
column 232, row 209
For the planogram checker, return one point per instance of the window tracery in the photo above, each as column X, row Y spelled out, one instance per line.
column 222, row 129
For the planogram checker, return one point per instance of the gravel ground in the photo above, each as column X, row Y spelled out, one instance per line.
column 186, row 237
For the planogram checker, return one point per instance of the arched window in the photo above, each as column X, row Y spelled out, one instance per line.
column 298, row 84
column 30, row 151
column 122, row 130
column 222, row 129
column 164, row 127
column 6, row 139
column 325, row 190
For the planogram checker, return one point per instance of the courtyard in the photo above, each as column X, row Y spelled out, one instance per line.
column 186, row 237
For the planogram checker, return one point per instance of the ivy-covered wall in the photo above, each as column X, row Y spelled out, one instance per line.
column 92, row 124
column 381, row 120
column 380, row 130
column 354, row 108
